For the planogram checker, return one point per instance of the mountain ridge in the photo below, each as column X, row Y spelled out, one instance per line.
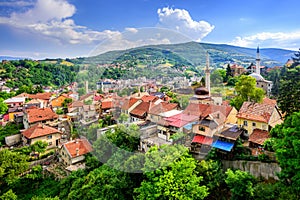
column 220, row 54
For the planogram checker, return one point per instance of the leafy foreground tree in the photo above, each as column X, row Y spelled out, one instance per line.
column 246, row 91
column 287, row 148
column 289, row 90
column 214, row 178
column 9, row 195
column 178, row 180
column 104, row 183
column 12, row 164
column 240, row 184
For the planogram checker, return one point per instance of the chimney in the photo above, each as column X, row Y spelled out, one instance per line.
column 77, row 151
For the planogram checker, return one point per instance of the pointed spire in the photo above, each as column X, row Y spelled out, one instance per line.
column 207, row 62
column 257, row 61
column 207, row 74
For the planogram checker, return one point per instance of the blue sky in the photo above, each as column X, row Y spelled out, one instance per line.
column 72, row 28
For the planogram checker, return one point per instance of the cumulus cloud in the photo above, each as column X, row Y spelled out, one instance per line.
column 52, row 18
column 132, row 38
column 132, row 30
column 181, row 21
column 16, row 3
column 269, row 39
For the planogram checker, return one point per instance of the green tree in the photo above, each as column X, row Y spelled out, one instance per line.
column 246, row 91
column 3, row 107
column 66, row 102
column 289, row 90
column 9, row 195
column 176, row 180
column 274, row 76
column 105, row 183
column 240, row 184
column 39, row 146
column 123, row 118
column 216, row 77
column 12, row 164
column 287, row 148
column 213, row 176
column 232, row 81
column 71, row 184
column 44, row 198
column 296, row 59
column 120, row 137
column 228, row 73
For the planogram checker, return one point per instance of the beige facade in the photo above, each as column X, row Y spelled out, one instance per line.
column 231, row 118
column 67, row 159
column 52, row 140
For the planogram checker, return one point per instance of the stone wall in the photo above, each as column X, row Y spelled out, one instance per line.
column 256, row 168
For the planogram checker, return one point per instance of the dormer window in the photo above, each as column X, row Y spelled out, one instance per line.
column 201, row 128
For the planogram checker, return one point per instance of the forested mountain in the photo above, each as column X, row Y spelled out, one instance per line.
column 18, row 73
column 194, row 53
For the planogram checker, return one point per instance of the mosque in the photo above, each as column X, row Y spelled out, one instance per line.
column 260, row 81
column 203, row 94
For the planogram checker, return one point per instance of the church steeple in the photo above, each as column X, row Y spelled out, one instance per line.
column 207, row 74
column 257, row 61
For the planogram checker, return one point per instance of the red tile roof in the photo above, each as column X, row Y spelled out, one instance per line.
column 203, row 110
column 163, row 107
column 260, row 112
column 98, row 97
column 76, row 104
column 259, row 136
column 129, row 102
column 78, row 147
column 39, row 130
column 180, row 120
column 269, row 101
column 106, row 104
column 141, row 109
column 148, row 98
column 202, row 140
column 40, row 114
column 86, row 96
column 44, row 96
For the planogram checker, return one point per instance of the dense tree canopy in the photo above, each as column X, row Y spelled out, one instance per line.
column 246, row 91
column 287, row 147
column 289, row 90
column 12, row 164
column 28, row 73
column 240, row 184
column 176, row 180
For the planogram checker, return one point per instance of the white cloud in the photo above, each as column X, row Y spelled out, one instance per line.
column 181, row 21
column 52, row 18
column 269, row 39
column 132, row 30
column 16, row 3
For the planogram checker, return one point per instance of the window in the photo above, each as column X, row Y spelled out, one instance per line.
column 50, row 143
column 49, row 137
column 253, row 124
column 245, row 123
column 201, row 128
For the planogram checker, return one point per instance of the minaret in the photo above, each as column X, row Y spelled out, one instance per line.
column 257, row 61
column 207, row 74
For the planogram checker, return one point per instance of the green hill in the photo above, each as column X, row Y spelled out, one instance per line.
column 194, row 53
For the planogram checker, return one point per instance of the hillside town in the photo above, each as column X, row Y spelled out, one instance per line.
column 60, row 130
column 207, row 122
